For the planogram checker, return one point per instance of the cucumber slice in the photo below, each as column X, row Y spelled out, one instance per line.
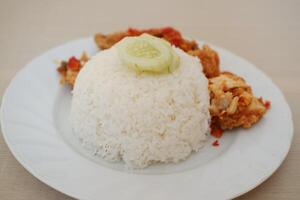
column 147, row 53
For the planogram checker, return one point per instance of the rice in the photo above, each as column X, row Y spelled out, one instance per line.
column 140, row 118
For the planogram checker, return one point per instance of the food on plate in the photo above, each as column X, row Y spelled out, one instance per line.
column 216, row 143
column 168, row 33
column 145, row 98
column 232, row 102
column 69, row 70
column 141, row 116
column 209, row 60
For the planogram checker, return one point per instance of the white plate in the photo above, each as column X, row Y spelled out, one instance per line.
column 34, row 118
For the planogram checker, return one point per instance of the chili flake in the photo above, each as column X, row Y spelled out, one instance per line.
column 215, row 143
column 267, row 104
column 74, row 64
column 216, row 133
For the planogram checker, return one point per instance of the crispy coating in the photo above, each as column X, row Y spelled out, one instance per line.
column 232, row 103
column 107, row 41
column 209, row 60
column 68, row 74
column 168, row 33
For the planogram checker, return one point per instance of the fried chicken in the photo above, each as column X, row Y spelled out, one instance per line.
column 232, row 103
column 209, row 60
column 107, row 41
column 69, row 70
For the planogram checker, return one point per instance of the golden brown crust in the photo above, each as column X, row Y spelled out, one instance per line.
column 68, row 74
column 232, row 102
column 107, row 41
column 209, row 59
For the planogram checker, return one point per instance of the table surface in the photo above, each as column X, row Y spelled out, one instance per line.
column 264, row 32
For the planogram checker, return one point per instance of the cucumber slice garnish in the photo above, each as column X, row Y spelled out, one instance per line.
column 147, row 53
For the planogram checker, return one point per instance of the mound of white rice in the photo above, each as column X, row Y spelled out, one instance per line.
column 141, row 119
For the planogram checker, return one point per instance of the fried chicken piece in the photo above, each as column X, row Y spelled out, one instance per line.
column 69, row 70
column 168, row 33
column 209, row 60
column 232, row 103
column 107, row 41
column 208, row 57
